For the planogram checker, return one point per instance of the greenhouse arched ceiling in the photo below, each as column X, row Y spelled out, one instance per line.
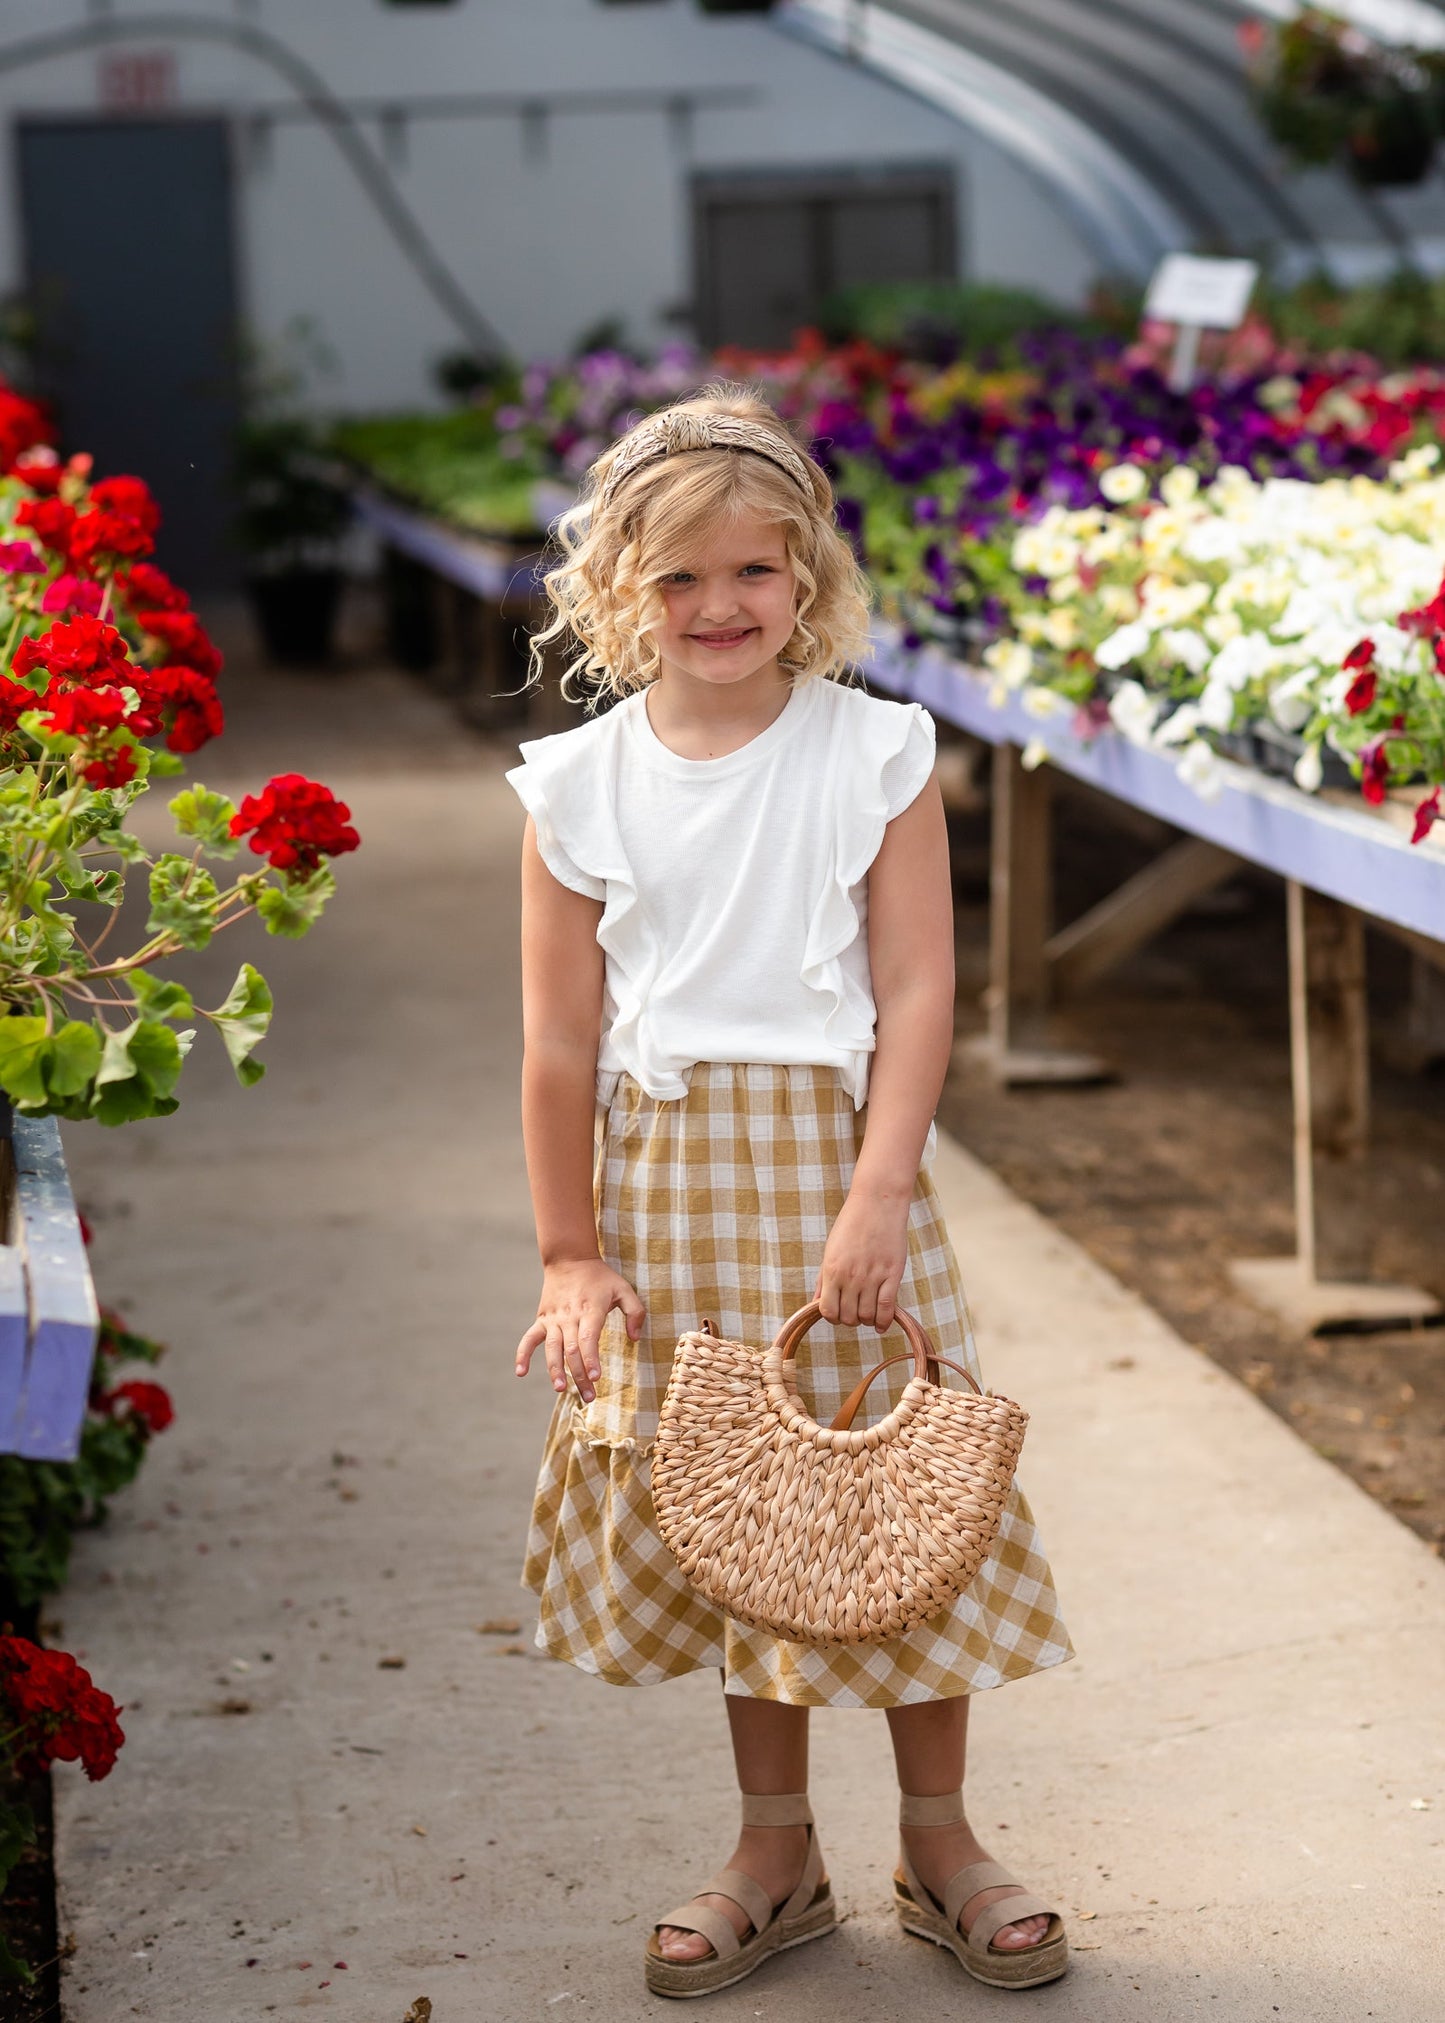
column 1136, row 115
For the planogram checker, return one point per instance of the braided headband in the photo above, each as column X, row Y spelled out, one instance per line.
column 687, row 429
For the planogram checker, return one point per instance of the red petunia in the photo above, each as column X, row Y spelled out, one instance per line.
column 296, row 822
column 1361, row 691
column 1360, row 655
column 52, row 520
column 80, row 649
column 130, row 497
column 99, row 536
column 146, row 588
column 59, row 1711
column 149, row 1403
column 79, row 712
column 1374, row 772
column 111, row 769
column 1427, row 814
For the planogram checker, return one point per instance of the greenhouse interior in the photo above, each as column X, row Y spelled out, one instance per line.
column 437, row 405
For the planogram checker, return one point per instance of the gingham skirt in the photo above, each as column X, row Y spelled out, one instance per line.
column 720, row 1203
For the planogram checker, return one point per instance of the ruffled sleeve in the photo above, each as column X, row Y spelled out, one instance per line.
column 880, row 760
column 557, row 785
column 906, row 768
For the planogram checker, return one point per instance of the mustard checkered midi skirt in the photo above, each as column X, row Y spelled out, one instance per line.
column 720, row 1203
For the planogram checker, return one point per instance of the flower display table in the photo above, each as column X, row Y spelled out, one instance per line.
column 1342, row 864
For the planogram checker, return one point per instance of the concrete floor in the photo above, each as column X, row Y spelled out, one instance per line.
column 1236, row 1793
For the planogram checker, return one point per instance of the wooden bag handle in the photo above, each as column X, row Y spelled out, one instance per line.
column 925, row 1358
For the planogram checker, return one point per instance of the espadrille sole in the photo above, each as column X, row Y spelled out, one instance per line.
column 1029, row 1968
column 681, row 1979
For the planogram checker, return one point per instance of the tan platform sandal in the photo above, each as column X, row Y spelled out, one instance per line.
column 809, row 1913
column 921, row 1913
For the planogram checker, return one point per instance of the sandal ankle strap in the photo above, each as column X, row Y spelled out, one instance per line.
column 944, row 1810
column 789, row 1808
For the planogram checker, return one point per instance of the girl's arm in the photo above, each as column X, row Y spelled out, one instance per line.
column 910, row 952
column 562, row 969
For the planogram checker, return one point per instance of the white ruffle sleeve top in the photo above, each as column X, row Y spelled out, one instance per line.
column 734, row 890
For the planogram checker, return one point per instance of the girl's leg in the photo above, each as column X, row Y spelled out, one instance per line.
column 928, row 1746
column 770, row 1750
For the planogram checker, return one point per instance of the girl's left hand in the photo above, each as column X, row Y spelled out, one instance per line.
column 864, row 1263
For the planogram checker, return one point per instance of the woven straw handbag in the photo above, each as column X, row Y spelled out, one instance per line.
column 824, row 1534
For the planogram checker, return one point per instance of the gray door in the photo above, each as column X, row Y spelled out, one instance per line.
column 771, row 248
column 130, row 270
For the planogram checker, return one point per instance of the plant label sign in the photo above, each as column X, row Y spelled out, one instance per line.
column 1197, row 295
column 1210, row 294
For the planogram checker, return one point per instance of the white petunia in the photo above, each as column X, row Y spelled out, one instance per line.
column 1133, row 711
column 1216, row 705
column 1179, row 726
column 1291, row 701
column 1199, row 769
column 1173, row 603
column 1057, row 556
column 1179, row 485
column 1120, row 602
column 1010, row 660
column 1033, row 755
column 1042, row 702
column 1180, row 647
column 1061, row 628
column 1309, row 769
column 1122, row 646
column 1122, row 483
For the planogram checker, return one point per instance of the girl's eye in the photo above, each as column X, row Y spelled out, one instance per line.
column 758, row 569
column 678, row 578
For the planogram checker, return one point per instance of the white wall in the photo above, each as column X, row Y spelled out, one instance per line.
column 598, row 226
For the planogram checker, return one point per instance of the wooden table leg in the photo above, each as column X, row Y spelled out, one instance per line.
column 1327, row 1280
column 1021, row 903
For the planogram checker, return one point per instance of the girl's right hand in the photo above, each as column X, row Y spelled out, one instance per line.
column 576, row 1299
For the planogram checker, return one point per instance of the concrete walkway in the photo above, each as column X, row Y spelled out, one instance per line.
column 1236, row 1794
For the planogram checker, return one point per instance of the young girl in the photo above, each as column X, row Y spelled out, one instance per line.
column 738, row 955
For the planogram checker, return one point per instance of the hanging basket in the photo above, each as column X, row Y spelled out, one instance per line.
column 1391, row 143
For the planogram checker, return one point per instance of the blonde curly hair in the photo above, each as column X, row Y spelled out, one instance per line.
column 654, row 502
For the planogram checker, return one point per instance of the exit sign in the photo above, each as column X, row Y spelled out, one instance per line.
column 137, row 80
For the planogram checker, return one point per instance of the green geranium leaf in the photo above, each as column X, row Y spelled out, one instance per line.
column 166, row 764
column 140, row 1067
column 243, row 1021
column 159, row 998
column 293, row 910
column 207, row 816
column 37, row 1067
column 106, row 888
column 73, row 1058
column 183, row 901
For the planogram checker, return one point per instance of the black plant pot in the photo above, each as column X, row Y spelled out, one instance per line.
column 736, row 6
column 297, row 614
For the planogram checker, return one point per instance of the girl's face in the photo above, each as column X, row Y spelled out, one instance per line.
column 732, row 613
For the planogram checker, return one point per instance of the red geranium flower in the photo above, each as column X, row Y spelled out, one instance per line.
column 52, row 519
column 183, row 637
column 18, row 558
column 146, row 588
column 150, row 1403
column 78, row 712
column 131, row 497
column 1374, row 772
column 22, row 425
column 297, row 822
column 1427, row 814
column 111, row 769
column 73, row 593
column 15, row 699
column 191, row 695
column 84, row 649
column 40, row 468
column 62, row 1715
column 99, row 535
column 1361, row 691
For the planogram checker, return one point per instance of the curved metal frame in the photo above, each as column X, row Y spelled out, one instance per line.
column 1117, row 208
